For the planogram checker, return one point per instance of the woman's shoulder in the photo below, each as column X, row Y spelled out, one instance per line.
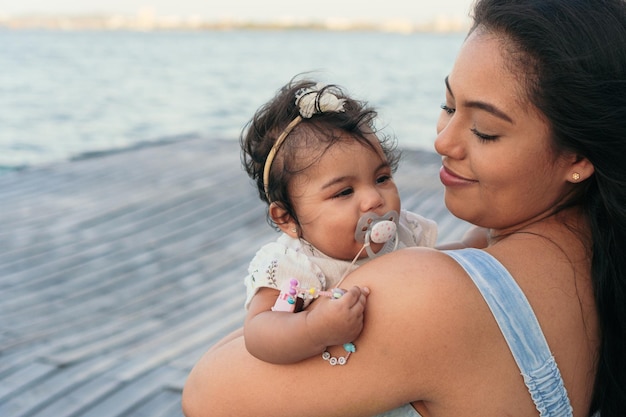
column 425, row 308
column 420, row 277
column 418, row 267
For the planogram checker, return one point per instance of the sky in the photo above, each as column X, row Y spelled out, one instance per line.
column 256, row 10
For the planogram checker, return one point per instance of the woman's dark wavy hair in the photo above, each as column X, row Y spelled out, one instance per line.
column 571, row 56
column 311, row 137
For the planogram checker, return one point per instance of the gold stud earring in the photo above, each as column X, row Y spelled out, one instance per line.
column 575, row 176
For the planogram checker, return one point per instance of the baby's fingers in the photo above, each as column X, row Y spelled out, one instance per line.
column 351, row 297
column 354, row 300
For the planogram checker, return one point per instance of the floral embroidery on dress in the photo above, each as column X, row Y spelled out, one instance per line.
column 271, row 273
column 311, row 249
column 322, row 279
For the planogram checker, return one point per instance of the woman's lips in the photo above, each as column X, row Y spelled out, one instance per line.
column 449, row 178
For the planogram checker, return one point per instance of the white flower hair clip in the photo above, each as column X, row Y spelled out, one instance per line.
column 320, row 98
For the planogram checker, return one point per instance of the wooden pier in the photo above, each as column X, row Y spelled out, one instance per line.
column 117, row 271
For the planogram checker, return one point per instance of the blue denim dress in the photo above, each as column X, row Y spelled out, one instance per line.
column 521, row 330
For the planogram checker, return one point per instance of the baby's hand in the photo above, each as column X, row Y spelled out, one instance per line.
column 337, row 321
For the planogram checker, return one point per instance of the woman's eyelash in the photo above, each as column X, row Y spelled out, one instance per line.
column 449, row 110
column 483, row 136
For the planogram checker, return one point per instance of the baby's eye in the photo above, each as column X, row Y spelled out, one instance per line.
column 383, row 178
column 447, row 109
column 343, row 193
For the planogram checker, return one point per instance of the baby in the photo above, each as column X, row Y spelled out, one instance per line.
column 327, row 178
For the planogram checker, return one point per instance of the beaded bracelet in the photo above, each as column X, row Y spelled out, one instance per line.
column 341, row 360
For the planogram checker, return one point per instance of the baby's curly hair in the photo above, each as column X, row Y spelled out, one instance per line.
column 320, row 132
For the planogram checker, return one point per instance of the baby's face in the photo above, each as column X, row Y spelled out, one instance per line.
column 349, row 180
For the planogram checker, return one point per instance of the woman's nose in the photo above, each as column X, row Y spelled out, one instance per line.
column 449, row 139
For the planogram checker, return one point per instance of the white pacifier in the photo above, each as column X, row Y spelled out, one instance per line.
column 378, row 229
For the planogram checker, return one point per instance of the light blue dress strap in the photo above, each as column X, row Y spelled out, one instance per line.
column 406, row 410
column 520, row 328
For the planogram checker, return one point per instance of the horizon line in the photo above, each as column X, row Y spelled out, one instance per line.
column 150, row 21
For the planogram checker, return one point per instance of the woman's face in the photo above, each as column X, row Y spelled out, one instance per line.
column 499, row 170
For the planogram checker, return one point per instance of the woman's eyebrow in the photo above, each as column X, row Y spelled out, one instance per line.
column 448, row 86
column 490, row 108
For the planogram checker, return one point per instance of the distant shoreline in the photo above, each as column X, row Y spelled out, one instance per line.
column 419, row 155
column 151, row 22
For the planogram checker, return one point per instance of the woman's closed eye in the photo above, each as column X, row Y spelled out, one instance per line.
column 483, row 136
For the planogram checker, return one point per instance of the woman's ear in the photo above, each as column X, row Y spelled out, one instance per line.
column 285, row 222
column 580, row 169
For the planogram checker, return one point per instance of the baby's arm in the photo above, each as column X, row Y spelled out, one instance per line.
column 283, row 337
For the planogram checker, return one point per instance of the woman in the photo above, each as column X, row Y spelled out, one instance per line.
column 533, row 145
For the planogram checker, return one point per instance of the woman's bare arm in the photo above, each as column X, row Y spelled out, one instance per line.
column 410, row 316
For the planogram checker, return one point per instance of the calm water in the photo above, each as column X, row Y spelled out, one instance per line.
column 66, row 93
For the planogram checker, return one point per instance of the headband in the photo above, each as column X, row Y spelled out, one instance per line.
column 309, row 101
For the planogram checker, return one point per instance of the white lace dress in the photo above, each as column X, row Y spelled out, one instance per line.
column 286, row 258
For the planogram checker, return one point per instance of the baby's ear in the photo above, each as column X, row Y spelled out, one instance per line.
column 283, row 219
